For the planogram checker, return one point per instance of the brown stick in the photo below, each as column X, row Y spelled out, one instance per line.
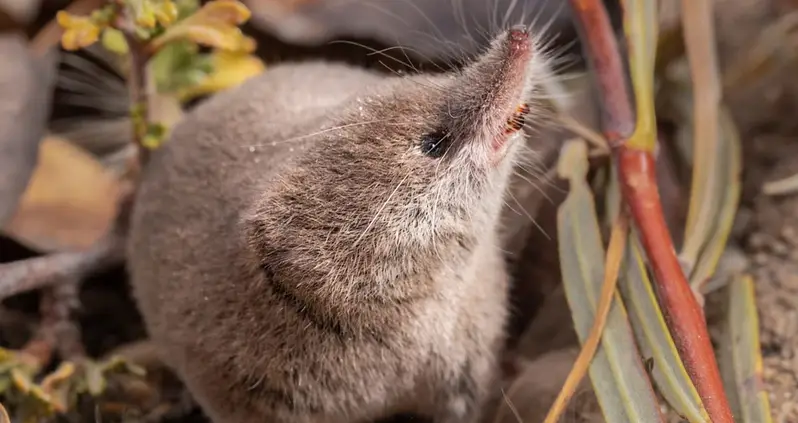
column 57, row 305
column 39, row 272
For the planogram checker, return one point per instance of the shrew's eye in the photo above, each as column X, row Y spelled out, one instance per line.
column 435, row 144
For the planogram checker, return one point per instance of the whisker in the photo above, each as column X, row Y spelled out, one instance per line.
column 529, row 216
column 323, row 131
column 376, row 51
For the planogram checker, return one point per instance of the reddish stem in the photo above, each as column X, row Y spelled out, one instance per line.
column 636, row 169
column 617, row 115
column 684, row 316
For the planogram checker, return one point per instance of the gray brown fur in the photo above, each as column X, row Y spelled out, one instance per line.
column 298, row 259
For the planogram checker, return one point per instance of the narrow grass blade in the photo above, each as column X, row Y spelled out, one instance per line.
column 729, row 163
column 617, row 371
column 702, row 249
column 699, row 34
column 715, row 189
column 615, row 252
column 741, row 358
column 655, row 340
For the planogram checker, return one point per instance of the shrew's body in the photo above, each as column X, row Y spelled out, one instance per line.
column 319, row 245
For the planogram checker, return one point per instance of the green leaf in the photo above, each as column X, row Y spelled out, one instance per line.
column 617, row 372
column 114, row 41
column 654, row 337
column 149, row 13
column 740, row 355
column 155, row 135
column 228, row 70
column 179, row 65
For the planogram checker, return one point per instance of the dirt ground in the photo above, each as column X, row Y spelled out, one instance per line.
column 772, row 245
column 767, row 226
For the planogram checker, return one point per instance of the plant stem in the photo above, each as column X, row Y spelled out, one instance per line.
column 39, row 272
column 58, row 302
column 607, row 67
column 636, row 167
column 137, row 91
column 682, row 312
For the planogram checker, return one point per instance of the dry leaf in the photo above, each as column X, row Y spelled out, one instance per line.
column 214, row 25
column 70, row 201
column 25, row 88
column 79, row 31
column 57, row 384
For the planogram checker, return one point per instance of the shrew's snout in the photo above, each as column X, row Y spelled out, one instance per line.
column 519, row 39
column 490, row 101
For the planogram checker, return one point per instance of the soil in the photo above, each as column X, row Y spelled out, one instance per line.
column 767, row 226
column 773, row 247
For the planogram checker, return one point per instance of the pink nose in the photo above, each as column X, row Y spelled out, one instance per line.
column 519, row 33
column 518, row 37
